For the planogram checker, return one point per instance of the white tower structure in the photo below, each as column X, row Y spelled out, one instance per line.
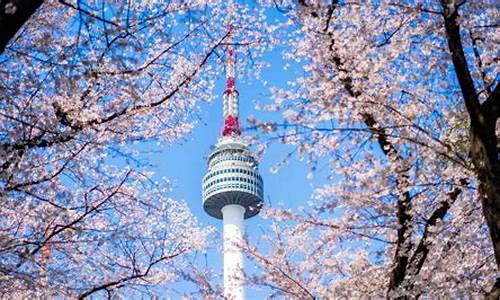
column 232, row 187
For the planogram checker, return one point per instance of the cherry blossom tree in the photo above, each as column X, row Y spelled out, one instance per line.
column 81, row 82
column 401, row 101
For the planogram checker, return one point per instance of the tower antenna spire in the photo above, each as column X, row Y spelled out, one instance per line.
column 231, row 95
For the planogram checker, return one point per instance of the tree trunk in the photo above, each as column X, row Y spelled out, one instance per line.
column 484, row 142
column 489, row 190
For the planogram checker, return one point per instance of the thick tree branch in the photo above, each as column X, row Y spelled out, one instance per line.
column 403, row 205
column 420, row 255
column 450, row 14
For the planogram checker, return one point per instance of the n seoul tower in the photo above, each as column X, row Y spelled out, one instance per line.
column 232, row 187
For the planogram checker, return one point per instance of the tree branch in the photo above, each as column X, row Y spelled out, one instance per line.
column 88, row 13
column 420, row 255
column 136, row 274
column 450, row 15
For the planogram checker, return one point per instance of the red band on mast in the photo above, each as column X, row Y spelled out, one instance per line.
column 231, row 126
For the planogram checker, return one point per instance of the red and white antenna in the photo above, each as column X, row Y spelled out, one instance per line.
column 231, row 101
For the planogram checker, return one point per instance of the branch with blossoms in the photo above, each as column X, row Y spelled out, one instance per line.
column 278, row 275
column 76, row 91
column 15, row 151
column 400, row 198
column 137, row 273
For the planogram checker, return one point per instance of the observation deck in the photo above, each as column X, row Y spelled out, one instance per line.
column 232, row 178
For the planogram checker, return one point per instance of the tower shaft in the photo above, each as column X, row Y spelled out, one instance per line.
column 234, row 278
